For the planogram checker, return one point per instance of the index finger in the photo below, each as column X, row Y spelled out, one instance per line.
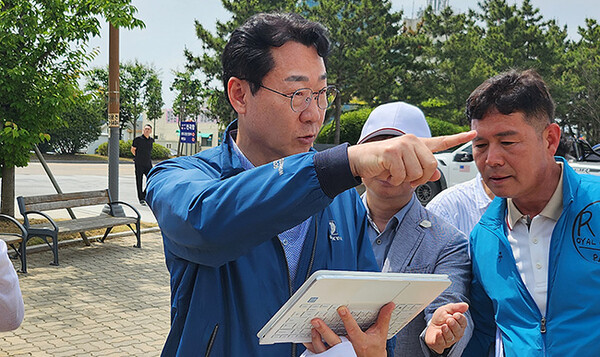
column 324, row 331
column 445, row 142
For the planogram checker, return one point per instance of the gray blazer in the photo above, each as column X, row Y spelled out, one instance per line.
column 436, row 248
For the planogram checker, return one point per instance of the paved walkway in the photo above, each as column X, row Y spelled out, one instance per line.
column 72, row 177
column 104, row 300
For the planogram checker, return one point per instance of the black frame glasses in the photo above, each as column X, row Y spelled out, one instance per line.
column 301, row 98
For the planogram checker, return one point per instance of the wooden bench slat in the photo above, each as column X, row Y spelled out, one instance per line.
column 86, row 224
column 48, row 206
column 64, row 196
column 11, row 239
column 64, row 200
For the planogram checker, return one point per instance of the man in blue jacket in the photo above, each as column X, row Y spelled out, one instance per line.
column 244, row 224
column 536, row 265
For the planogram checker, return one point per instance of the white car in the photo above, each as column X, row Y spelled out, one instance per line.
column 456, row 166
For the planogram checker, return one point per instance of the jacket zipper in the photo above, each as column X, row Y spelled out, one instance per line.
column 543, row 325
column 211, row 341
column 314, row 249
column 287, row 269
column 310, row 264
column 504, row 240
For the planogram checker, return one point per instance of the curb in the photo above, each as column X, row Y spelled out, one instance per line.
column 45, row 247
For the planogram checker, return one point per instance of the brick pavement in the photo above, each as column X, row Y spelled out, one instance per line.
column 105, row 300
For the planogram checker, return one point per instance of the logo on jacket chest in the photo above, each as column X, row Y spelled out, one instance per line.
column 586, row 232
column 278, row 165
column 333, row 232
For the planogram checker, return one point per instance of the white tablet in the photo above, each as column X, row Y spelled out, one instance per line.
column 364, row 293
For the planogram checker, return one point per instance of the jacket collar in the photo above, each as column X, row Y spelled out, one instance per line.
column 231, row 164
column 408, row 238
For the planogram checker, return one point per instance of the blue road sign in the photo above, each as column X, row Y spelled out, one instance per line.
column 188, row 132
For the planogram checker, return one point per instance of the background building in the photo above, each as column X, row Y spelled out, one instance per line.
column 166, row 133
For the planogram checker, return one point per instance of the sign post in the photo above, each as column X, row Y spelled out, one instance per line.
column 187, row 134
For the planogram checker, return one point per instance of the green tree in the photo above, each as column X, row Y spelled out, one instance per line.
column 582, row 115
column 188, row 102
column 82, row 122
column 521, row 38
column 453, row 61
column 370, row 57
column 353, row 121
column 139, row 91
column 466, row 49
column 43, row 50
column 154, row 102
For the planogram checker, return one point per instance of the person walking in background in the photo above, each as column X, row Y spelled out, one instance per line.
column 11, row 301
column 406, row 238
column 141, row 148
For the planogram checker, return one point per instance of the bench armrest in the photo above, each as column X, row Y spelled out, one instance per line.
column 139, row 216
column 45, row 216
column 17, row 223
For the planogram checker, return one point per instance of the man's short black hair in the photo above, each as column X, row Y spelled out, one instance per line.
column 513, row 91
column 247, row 55
column 148, row 125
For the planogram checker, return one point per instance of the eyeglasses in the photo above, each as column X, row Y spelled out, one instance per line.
column 301, row 98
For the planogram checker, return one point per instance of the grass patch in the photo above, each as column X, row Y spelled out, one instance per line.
column 77, row 158
column 9, row 227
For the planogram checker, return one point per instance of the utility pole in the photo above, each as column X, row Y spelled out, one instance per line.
column 113, row 120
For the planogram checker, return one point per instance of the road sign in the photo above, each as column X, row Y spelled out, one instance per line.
column 188, row 132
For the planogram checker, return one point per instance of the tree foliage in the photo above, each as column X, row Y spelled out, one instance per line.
column 139, row 91
column 82, row 126
column 436, row 63
column 353, row 121
column 370, row 57
column 190, row 93
column 582, row 77
column 42, row 51
column 350, row 128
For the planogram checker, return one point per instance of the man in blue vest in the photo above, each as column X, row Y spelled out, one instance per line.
column 536, row 265
column 244, row 224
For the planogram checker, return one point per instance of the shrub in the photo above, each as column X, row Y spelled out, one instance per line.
column 351, row 124
column 440, row 127
column 159, row 152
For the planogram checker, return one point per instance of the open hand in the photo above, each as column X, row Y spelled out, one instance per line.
column 447, row 326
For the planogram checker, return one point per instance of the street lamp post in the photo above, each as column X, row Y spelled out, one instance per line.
column 113, row 120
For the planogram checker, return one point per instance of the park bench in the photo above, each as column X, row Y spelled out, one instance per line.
column 36, row 205
column 13, row 238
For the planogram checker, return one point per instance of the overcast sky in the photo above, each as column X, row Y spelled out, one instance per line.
column 170, row 28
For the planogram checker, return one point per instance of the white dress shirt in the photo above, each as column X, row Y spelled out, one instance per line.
column 461, row 205
column 530, row 243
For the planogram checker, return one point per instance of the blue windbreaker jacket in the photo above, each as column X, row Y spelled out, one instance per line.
column 228, row 269
column 499, row 298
